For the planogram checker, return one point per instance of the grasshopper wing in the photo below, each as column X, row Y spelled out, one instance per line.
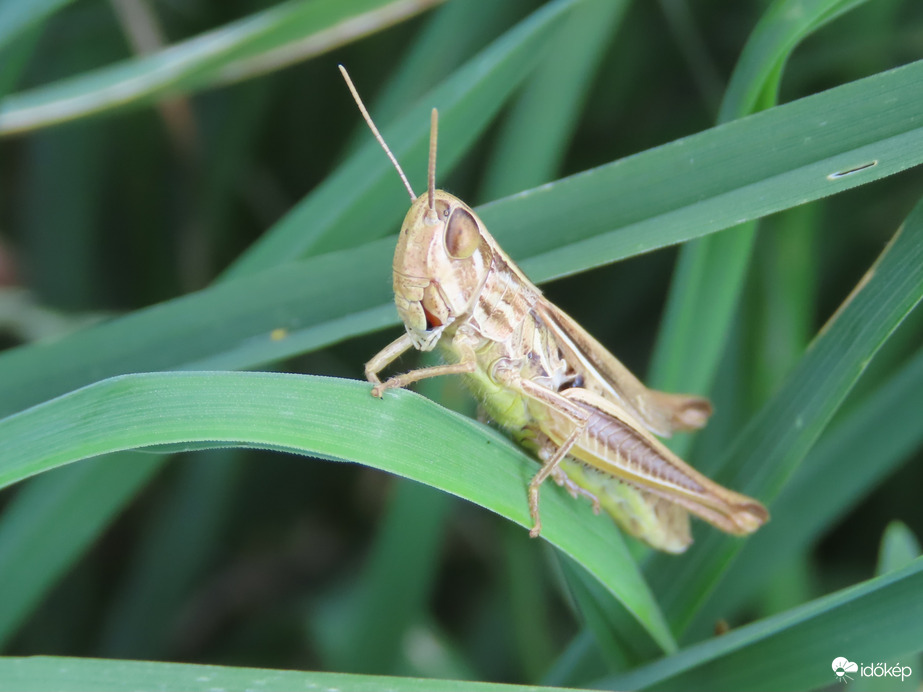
column 616, row 452
column 604, row 374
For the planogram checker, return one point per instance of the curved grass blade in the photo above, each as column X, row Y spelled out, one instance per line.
column 492, row 73
column 362, row 199
column 35, row 673
column 744, row 169
column 233, row 52
column 333, row 419
column 793, row 650
column 321, row 301
column 710, row 272
column 882, row 428
column 533, row 137
column 391, row 593
column 783, row 26
column 772, row 446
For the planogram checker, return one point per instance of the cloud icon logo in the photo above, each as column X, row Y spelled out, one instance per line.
column 842, row 665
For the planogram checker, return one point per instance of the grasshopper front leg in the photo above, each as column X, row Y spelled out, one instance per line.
column 461, row 345
column 386, row 356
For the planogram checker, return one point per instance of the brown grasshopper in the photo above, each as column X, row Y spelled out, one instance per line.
column 540, row 375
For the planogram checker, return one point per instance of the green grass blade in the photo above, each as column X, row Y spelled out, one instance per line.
column 186, row 523
column 581, row 660
column 362, row 199
column 42, row 673
column 783, row 26
column 231, row 326
column 744, row 169
column 710, row 272
column 899, row 548
column 769, row 450
column 620, row 640
column 535, row 134
column 17, row 18
column 395, row 584
column 794, row 650
column 15, row 57
column 67, row 275
column 530, row 602
column 882, row 428
column 292, row 563
column 34, row 552
column 780, row 307
column 528, row 152
column 698, row 313
column 217, row 56
column 388, row 600
column 715, row 179
column 334, row 419
column 432, row 58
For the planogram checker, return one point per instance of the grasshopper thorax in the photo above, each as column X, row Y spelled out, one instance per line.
column 440, row 264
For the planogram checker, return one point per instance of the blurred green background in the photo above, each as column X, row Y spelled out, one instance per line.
column 120, row 191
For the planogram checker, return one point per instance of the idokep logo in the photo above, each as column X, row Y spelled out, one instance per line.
column 842, row 666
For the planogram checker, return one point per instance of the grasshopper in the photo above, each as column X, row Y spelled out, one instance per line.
column 540, row 375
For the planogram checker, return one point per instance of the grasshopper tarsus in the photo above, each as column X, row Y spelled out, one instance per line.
column 534, row 513
column 550, row 468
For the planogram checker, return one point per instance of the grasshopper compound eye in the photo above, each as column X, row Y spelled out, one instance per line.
column 462, row 235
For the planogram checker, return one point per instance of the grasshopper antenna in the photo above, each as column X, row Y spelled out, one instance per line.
column 431, row 176
column 381, row 140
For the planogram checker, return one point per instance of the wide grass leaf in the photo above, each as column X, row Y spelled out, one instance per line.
column 686, row 189
column 710, row 271
column 884, row 428
column 46, row 673
column 880, row 620
column 320, row 301
column 772, row 446
column 333, row 419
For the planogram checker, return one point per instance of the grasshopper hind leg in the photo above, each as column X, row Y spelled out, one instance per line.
column 552, row 456
column 544, row 448
column 549, row 453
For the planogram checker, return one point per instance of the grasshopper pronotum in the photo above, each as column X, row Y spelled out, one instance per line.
column 540, row 375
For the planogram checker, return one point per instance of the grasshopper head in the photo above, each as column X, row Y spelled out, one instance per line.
column 443, row 254
column 440, row 264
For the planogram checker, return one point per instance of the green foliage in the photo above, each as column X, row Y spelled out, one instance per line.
column 163, row 192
